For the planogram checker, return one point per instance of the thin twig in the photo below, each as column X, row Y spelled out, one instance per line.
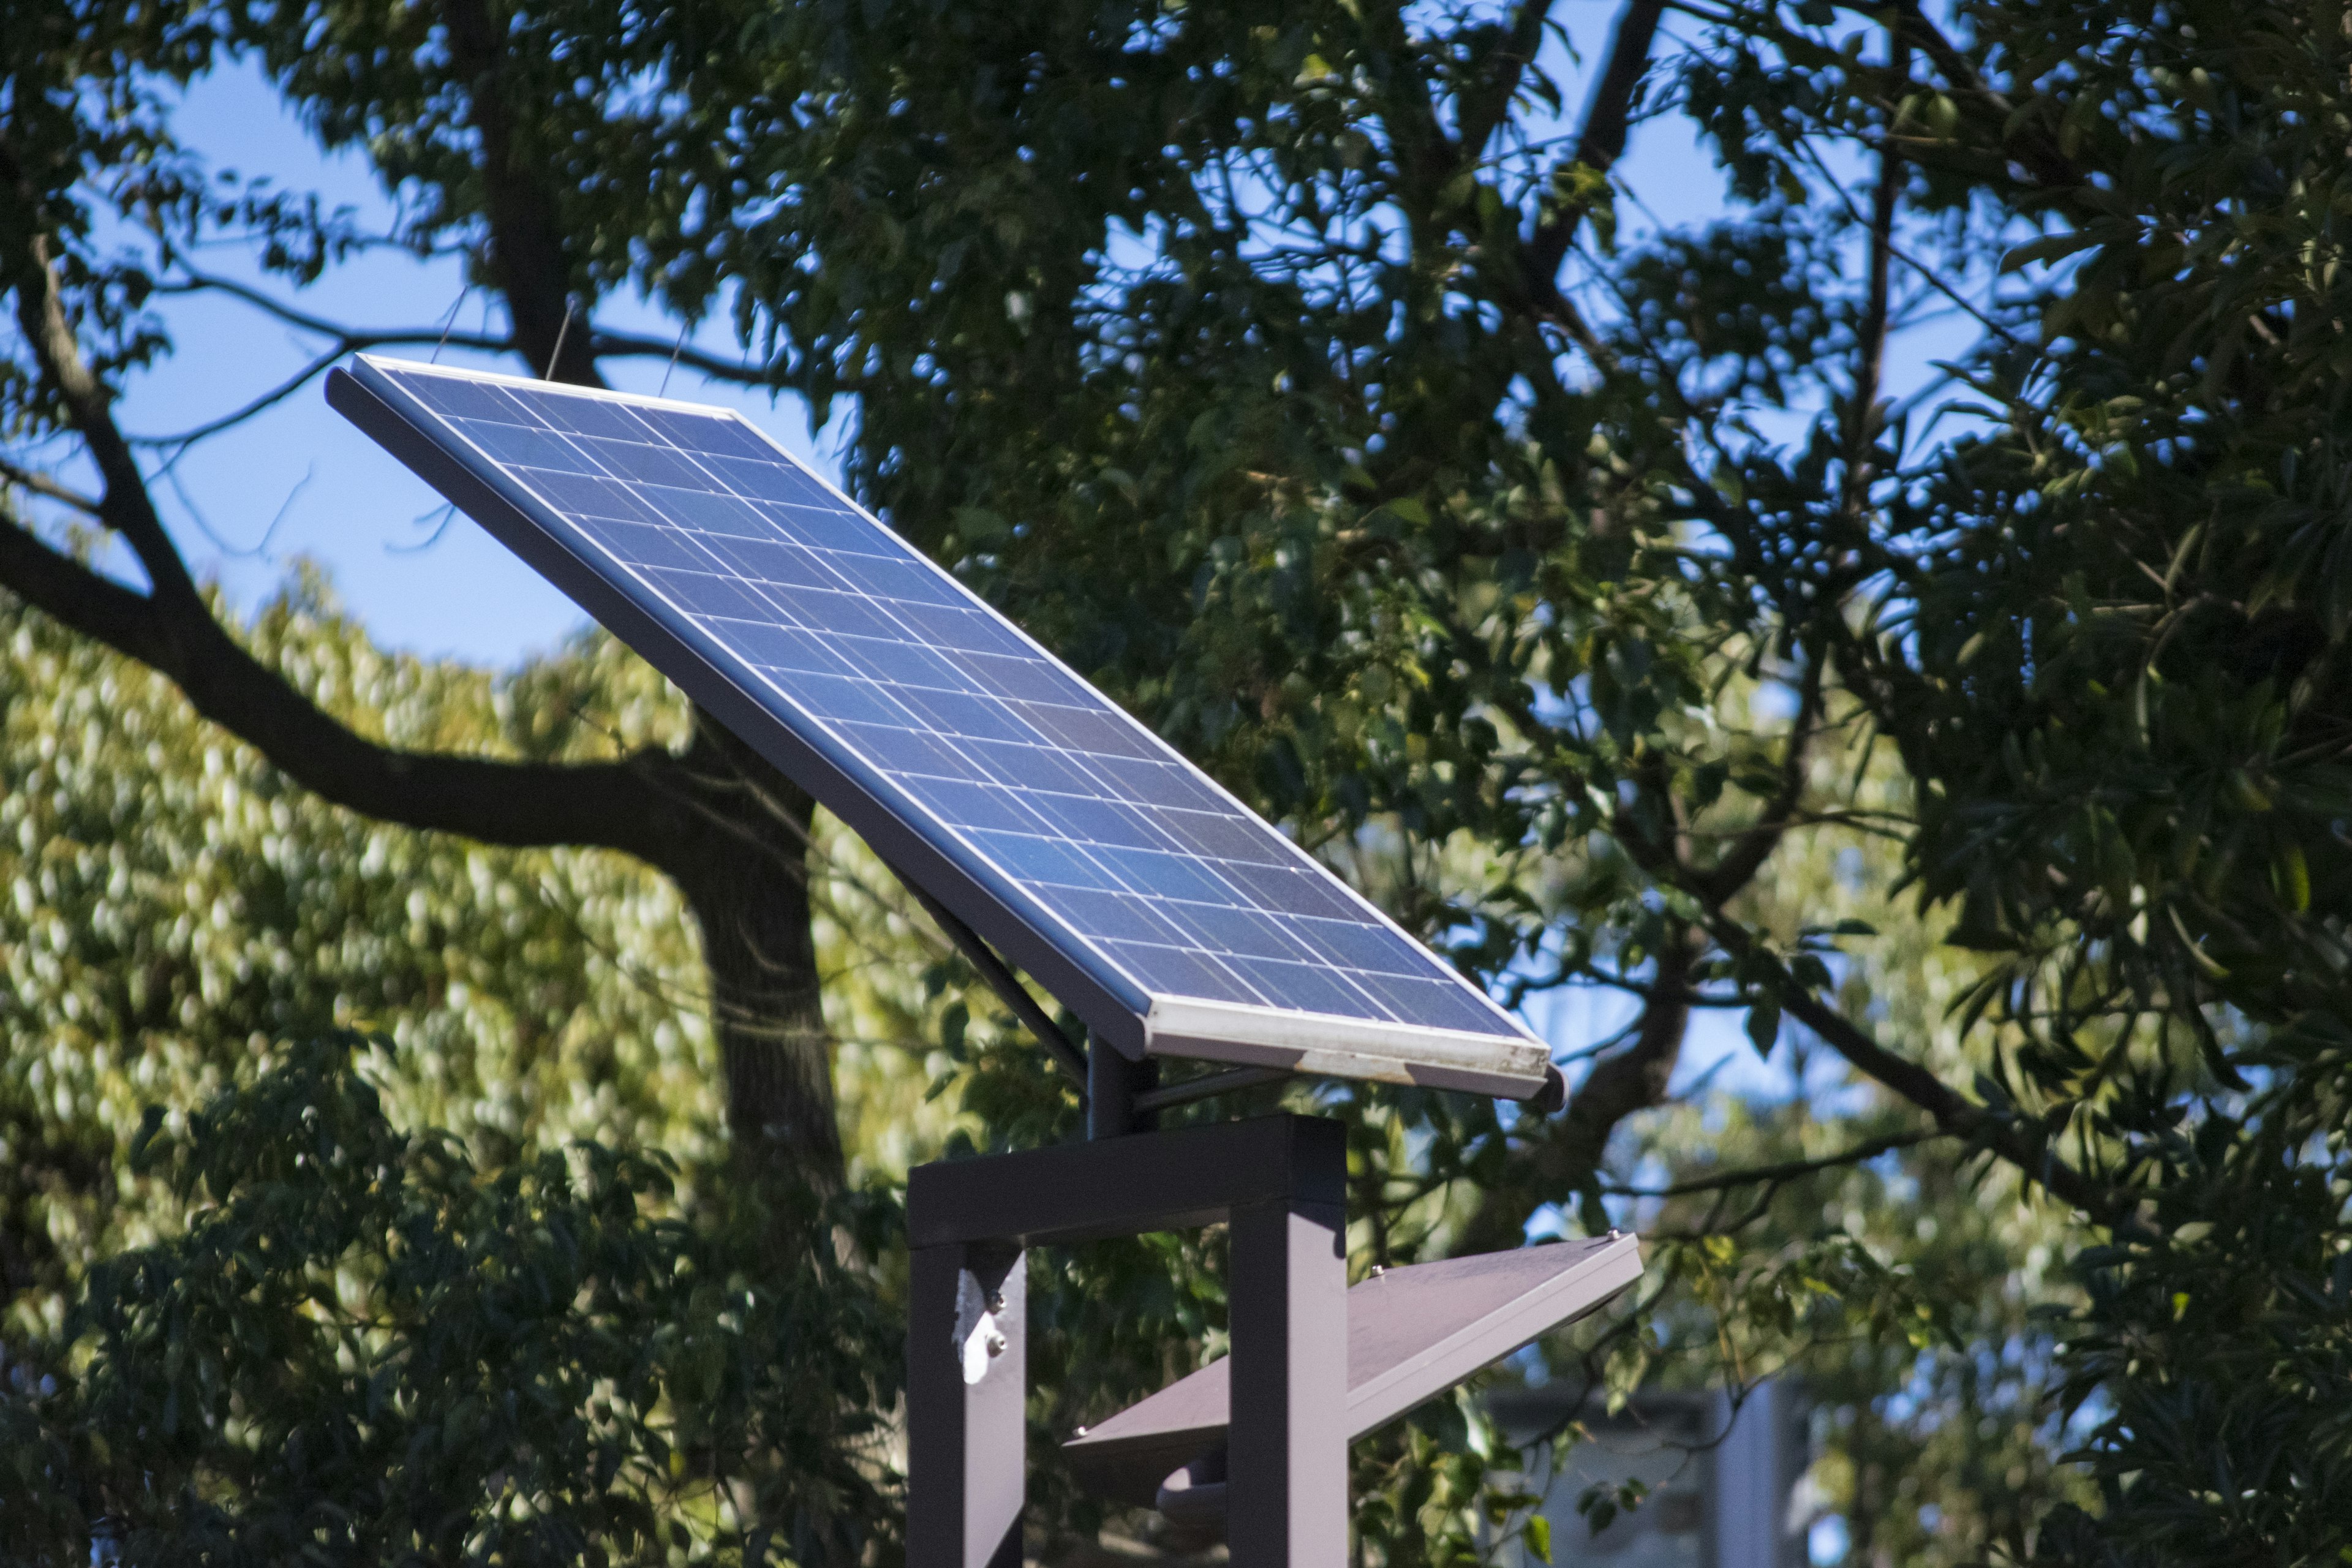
column 41, row 484
column 1786, row 1171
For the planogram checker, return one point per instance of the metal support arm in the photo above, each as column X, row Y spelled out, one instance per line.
column 1281, row 1181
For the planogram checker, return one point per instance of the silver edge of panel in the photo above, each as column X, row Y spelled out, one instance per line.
column 540, row 384
column 1512, row 1066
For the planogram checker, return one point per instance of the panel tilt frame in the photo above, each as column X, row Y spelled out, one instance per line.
column 1278, row 1180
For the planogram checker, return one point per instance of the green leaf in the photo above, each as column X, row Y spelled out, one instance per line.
column 2294, row 878
column 2049, row 247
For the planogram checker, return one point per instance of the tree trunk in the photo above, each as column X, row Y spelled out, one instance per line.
column 1561, row 1159
column 740, row 857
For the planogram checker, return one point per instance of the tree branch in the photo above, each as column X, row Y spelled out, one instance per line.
column 123, row 504
column 1608, row 121
column 41, row 484
column 1756, row 843
column 1786, row 1172
column 1566, row 1154
column 2037, row 152
column 1482, row 113
column 357, row 340
column 173, row 631
column 526, row 251
column 1953, row 1113
column 1870, row 341
column 612, row 805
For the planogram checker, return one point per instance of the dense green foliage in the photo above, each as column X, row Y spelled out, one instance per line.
column 364, row 1347
column 1598, row 594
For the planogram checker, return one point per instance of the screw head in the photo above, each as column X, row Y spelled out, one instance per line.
column 997, row 1343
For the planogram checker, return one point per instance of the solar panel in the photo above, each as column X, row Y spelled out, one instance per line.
column 1162, row 911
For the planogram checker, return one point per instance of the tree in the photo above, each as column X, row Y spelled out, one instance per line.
column 84, row 137
column 365, row 1347
column 185, row 928
column 1448, row 543
column 1297, row 375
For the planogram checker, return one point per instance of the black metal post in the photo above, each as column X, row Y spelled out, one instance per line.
column 967, row 1379
column 1286, row 1454
column 1281, row 1181
column 1112, row 1084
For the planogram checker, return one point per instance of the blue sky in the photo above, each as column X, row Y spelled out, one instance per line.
column 297, row 481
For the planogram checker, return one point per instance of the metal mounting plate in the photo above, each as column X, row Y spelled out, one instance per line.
column 1412, row 1332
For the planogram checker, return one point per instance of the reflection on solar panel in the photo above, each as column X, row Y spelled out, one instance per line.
column 1158, row 908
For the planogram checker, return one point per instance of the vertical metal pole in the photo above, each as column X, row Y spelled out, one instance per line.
column 967, row 1381
column 1112, row 1084
column 1287, row 1453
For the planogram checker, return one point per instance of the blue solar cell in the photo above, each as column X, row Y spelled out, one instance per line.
column 644, row 465
column 704, row 434
column 967, row 805
column 965, row 714
column 1034, row 767
column 910, row 752
column 846, row 615
column 577, row 496
column 904, row 662
column 825, row 530
column 780, row 648
column 895, row 579
column 768, row 481
column 1220, row 838
column 520, row 447
column 1096, row 734
column 1292, row 892
column 1361, row 946
column 1100, row 821
column 856, row 700
column 1044, row 860
column 1227, row 929
column 1426, row 999
column 1140, row 876
column 1120, row 916
column 706, row 513
column 583, row 416
column 706, row 593
column 1031, row 680
column 1158, row 783
column 463, row 399
column 639, row 544
column 964, row 630
column 772, row 562
column 1169, row 876
column 1304, row 986
column 1181, row 973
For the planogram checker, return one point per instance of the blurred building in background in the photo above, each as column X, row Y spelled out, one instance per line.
column 1715, row 1500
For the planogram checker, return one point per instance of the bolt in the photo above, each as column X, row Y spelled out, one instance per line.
column 1379, row 1269
column 997, row 1343
column 1614, row 1233
column 1081, row 1432
column 996, row 1301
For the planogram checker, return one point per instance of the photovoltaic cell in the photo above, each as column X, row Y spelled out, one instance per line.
column 1167, row 902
